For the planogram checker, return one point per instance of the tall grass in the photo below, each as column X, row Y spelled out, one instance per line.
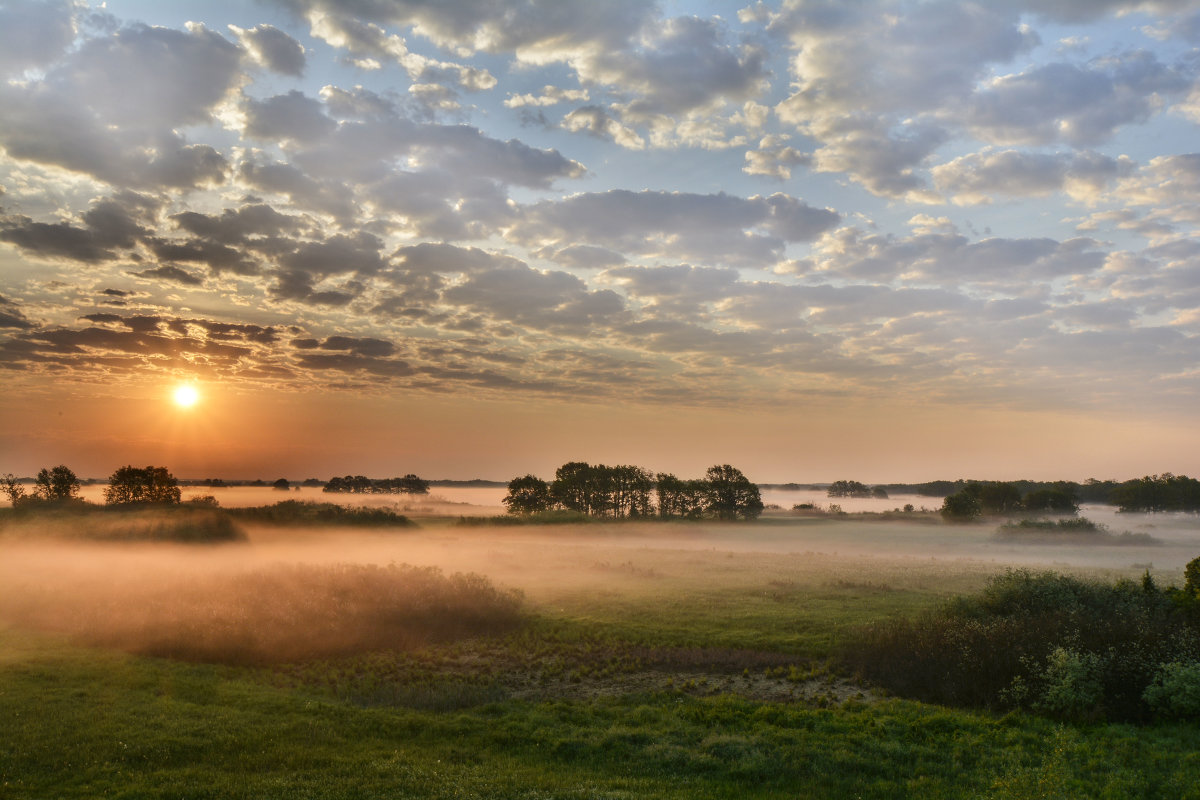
column 277, row 614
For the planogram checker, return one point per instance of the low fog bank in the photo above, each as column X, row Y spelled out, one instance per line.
column 288, row 593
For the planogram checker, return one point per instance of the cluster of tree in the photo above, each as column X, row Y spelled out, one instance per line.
column 855, row 489
column 151, row 485
column 55, row 485
column 360, row 484
column 128, row 484
column 1164, row 492
column 995, row 497
column 628, row 491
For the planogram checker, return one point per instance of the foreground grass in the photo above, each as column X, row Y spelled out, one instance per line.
column 87, row 723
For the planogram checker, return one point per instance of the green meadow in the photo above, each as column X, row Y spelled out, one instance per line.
column 568, row 661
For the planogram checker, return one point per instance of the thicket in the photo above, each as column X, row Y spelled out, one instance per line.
column 1050, row 643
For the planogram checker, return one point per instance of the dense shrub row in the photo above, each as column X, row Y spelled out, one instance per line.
column 298, row 512
column 1051, row 643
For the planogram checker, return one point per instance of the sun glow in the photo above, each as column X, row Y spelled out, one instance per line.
column 186, row 396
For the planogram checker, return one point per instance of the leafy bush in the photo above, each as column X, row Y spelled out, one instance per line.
column 1175, row 692
column 1042, row 641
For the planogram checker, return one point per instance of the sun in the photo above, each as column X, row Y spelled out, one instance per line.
column 186, row 396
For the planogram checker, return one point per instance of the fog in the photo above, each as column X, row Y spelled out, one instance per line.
column 290, row 593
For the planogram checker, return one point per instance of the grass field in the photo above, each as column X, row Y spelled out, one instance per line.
column 647, row 661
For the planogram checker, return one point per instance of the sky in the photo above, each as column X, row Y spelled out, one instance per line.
column 879, row 240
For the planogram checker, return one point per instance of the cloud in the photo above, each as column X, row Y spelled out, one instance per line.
column 287, row 117
column 555, row 301
column 369, row 41
column 34, row 34
column 703, row 228
column 774, row 158
column 597, row 122
column 11, row 315
column 1082, row 105
column 979, row 177
column 171, row 274
column 550, row 96
column 273, row 48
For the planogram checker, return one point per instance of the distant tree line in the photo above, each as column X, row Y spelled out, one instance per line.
column 625, row 491
column 1164, row 492
column 995, row 497
column 360, row 484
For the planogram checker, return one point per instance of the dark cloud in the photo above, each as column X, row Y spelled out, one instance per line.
column 11, row 315
column 287, row 117
column 359, row 346
column 171, row 274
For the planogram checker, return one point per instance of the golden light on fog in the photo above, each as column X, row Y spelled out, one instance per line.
column 186, row 396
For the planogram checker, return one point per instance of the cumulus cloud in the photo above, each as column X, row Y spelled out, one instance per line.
column 774, row 158
column 550, row 96
column 273, row 48
column 1082, row 105
column 597, row 122
column 979, row 177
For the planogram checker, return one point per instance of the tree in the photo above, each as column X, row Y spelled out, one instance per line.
column 149, row 485
column 12, row 487
column 527, row 495
column 680, row 498
column 731, row 494
column 281, row 485
column 56, row 485
column 962, row 505
column 574, row 487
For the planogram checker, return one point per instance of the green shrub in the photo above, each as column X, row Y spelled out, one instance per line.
column 1041, row 641
column 1072, row 684
column 1175, row 692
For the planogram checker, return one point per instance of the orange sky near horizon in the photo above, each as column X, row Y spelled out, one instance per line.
column 242, row 434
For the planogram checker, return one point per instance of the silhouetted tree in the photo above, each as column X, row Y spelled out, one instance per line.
column 282, row 485
column 686, row 499
column 56, row 485
column 962, row 505
column 527, row 495
column 574, row 487
column 731, row 494
column 11, row 486
column 131, row 484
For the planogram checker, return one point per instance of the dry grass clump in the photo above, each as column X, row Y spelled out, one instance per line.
column 271, row 615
